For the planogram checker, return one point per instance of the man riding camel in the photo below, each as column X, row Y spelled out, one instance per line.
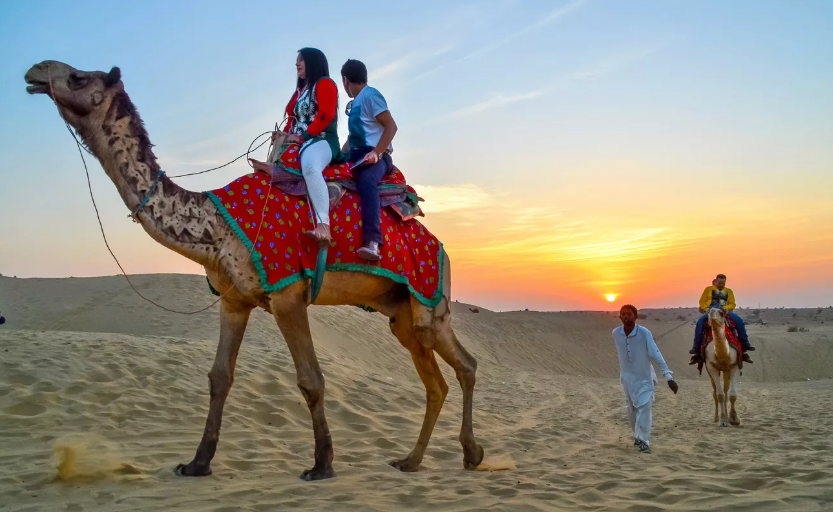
column 718, row 296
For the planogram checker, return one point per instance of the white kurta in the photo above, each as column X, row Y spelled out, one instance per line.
column 636, row 351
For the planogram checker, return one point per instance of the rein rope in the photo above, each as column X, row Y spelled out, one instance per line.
column 144, row 202
column 147, row 197
column 672, row 330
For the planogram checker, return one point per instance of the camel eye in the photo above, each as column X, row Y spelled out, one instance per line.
column 78, row 82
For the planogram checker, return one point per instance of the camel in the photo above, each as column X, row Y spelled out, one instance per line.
column 721, row 360
column 186, row 222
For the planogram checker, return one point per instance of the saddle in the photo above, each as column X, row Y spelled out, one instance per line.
column 731, row 337
column 394, row 191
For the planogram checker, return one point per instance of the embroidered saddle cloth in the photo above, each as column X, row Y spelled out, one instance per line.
column 275, row 224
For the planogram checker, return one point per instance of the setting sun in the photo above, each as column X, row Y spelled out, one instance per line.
column 610, row 297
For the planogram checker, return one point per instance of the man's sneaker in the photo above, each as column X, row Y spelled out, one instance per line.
column 696, row 358
column 370, row 252
column 643, row 446
column 746, row 358
column 750, row 348
column 694, row 351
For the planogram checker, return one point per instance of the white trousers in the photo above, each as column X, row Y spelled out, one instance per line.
column 314, row 159
column 640, row 420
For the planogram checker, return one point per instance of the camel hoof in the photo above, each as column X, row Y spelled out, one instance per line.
column 311, row 475
column 472, row 464
column 723, row 424
column 405, row 465
column 192, row 470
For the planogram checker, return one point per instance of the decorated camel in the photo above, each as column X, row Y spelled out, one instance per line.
column 721, row 361
column 198, row 226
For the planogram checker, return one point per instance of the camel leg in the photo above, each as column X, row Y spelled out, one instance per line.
column 290, row 312
column 233, row 320
column 734, row 420
column 714, row 395
column 433, row 330
column 435, row 387
column 714, row 373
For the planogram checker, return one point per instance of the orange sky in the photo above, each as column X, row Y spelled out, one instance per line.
column 565, row 151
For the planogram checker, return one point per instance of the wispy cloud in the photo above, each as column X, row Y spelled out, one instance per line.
column 548, row 19
column 452, row 197
column 594, row 71
column 614, row 63
column 497, row 100
column 392, row 67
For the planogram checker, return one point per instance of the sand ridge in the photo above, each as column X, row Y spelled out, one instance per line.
column 89, row 371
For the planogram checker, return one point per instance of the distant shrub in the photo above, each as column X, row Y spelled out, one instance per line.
column 757, row 312
column 794, row 314
column 642, row 316
column 792, row 328
column 804, row 329
column 681, row 317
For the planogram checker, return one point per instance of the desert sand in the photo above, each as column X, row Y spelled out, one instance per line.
column 102, row 395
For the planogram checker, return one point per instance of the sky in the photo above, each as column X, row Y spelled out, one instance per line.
column 566, row 150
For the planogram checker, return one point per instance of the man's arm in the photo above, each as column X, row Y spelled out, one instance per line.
column 730, row 302
column 706, row 299
column 389, row 126
column 656, row 356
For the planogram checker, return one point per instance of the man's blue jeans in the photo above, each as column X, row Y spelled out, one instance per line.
column 699, row 330
column 367, row 181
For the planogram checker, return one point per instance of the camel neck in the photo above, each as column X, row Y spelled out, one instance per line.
column 179, row 219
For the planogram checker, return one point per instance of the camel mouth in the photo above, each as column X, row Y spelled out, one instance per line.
column 36, row 86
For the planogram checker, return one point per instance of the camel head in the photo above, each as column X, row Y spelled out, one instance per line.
column 84, row 96
column 717, row 318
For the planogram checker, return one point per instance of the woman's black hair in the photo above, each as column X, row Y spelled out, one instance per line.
column 316, row 66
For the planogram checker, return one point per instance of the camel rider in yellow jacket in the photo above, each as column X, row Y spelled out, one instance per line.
column 718, row 296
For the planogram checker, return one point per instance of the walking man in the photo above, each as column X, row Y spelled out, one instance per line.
column 636, row 348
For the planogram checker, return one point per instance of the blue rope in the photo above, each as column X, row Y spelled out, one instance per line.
column 147, row 197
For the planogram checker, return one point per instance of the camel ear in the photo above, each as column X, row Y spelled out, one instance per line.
column 113, row 77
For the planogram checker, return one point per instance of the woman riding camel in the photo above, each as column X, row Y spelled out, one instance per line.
column 312, row 123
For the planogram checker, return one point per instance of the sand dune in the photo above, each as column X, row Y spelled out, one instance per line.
column 101, row 395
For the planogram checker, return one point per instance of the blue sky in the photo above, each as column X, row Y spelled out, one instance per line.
column 585, row 113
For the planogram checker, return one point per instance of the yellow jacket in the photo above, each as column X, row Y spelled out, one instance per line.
column 712, row 297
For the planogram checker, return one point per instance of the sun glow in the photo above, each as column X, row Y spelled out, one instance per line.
column 610, row 297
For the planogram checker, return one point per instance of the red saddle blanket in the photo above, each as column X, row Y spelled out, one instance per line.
column 276, row 223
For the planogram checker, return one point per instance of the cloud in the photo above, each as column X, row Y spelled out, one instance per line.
column 548, row 19
column 497, row 100
column 594, row 71
column 391, row 68
column 452, row 197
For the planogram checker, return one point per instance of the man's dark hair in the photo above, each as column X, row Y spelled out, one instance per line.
column 721, row 276
column 355, row 71
column 632, row 308
column 316, row 67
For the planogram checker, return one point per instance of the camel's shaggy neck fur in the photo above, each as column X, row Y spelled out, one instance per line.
column 179, row 219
